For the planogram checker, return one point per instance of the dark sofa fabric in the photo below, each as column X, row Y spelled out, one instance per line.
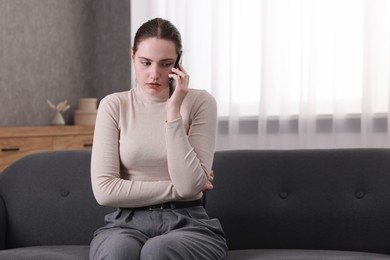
column 274, row 205
column 303, row 199
column 49, row 211
column 296, row 254
column 68, row 252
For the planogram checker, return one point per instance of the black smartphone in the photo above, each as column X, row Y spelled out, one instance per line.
column 172, row 81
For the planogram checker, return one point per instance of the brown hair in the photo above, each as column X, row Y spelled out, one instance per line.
column 160, row 29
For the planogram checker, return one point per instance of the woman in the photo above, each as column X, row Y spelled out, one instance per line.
column 152, row 158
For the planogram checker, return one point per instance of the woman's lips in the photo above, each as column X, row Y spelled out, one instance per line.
column 153, row 85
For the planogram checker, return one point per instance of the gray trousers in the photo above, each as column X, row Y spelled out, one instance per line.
column 186, row 233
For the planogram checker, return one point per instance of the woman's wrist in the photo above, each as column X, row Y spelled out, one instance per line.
column 173, row 113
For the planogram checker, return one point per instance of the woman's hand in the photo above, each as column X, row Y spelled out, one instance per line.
column 209, row 184
column 181, row 78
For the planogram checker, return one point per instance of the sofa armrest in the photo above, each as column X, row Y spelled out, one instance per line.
column 3, row 224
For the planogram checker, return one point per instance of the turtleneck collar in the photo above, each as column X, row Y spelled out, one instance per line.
column 144, row 96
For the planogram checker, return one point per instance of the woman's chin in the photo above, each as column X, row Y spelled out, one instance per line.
column 155, row 91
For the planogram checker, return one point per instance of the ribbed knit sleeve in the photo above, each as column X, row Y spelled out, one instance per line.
column 190, row 152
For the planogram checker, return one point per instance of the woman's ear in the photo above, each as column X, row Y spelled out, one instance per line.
column 132, row 54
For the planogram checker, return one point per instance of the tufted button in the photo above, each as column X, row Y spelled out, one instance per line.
column 283, row 194
column 65, row 193
column 359, row 194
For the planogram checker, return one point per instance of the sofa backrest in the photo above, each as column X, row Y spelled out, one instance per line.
column 303, row 199
column 49, row 200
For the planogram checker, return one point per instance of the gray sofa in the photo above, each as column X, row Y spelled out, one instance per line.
column 296, row 204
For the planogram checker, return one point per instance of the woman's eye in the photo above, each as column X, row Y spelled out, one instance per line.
column 145, row 63
column 166, row 65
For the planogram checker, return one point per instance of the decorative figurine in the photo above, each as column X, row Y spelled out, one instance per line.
column 61, row 107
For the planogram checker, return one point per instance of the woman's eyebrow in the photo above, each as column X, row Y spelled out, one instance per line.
column 163, row 60
column 167, row 60
column 140, row 57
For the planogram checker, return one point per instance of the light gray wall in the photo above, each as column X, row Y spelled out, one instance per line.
column 60, row 49
column 112, row 46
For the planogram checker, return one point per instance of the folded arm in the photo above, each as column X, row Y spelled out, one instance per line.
column 190, row 154
column 108, row 186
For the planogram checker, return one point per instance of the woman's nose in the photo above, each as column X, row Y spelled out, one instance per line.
column 154, row 72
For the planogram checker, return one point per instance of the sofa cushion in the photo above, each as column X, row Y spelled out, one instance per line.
column 3, row 224
column 312, row 199
column 46, row 253
column 296, row 254
column 49, row 201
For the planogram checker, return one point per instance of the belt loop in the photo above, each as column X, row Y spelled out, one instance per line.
column 161, row 207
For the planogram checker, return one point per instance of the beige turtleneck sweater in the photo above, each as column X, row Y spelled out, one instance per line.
column 139, row 159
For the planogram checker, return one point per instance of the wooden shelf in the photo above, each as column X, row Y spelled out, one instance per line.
column 17, row 142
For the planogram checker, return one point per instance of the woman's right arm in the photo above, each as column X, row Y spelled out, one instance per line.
column 108, row 186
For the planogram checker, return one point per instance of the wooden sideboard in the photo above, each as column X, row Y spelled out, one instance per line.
column 16, row 142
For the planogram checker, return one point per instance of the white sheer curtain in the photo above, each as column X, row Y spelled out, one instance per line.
column 287, row 73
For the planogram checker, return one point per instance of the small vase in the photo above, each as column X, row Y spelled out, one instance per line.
column 58, row 119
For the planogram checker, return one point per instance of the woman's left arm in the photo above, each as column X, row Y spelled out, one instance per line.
column 190, row 154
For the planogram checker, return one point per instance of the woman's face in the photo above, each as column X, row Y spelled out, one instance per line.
column 153, row 61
